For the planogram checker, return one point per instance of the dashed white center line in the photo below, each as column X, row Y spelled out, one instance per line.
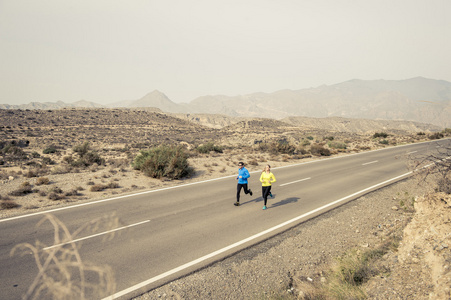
column 371, row 162
column 295, row 181
column 98, row 234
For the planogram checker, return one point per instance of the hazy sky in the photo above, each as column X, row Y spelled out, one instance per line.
column 106, row 50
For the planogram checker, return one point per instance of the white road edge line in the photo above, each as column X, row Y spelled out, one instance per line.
column 371, row 162
column 203, row 258
column 193, row 183
column 94, row 235
column 110, row 199
column 295, row 181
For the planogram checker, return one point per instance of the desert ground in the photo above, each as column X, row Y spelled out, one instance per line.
column 38, row 171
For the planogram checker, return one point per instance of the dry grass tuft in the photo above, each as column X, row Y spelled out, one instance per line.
column 62, row 273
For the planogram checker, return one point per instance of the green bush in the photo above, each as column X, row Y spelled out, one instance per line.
column 384, row 142
column 163, row 161
column 48, row 161
column 208, row 147
column 49, row 149
column 35, row 154
column 82, row 149
column 87, row 158
column 12, row 152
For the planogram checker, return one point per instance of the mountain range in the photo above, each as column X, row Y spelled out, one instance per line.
column 417, row 99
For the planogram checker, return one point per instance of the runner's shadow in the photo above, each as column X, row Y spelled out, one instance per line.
column 256, row 200
column 286, row 201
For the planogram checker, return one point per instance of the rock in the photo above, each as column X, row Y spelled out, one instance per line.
column 395, row 208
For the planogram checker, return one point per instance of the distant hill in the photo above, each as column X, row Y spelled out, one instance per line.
column 417, row 99
column 161, row 101
column 53, row 105
column 360, row 126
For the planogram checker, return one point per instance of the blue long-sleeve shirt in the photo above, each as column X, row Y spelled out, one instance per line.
column 244, row 173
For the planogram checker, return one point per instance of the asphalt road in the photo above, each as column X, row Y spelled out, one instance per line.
column 164, row 234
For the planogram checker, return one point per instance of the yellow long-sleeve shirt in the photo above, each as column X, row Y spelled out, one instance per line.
column 267, row 178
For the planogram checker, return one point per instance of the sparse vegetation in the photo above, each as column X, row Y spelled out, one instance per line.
column 351, row 270
column 148, row 130
column 208, row 147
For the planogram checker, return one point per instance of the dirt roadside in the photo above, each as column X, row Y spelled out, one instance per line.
column 292, row 264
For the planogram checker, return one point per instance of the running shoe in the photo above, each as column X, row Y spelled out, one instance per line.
column 264, row 207
column 270, row 195
column 250, row 192
column 236, row 203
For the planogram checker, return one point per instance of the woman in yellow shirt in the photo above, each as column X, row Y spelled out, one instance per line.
column 266, row 179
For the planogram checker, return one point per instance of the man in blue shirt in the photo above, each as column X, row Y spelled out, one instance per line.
column 243, row 175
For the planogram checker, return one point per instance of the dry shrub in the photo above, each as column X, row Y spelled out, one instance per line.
column 119, row 162
column 319, row 150
column 62, row 274
column 73, row 192
column 42, row 180
column 22, row 190
column 8, row 204
column 55, row 196
column 62, row 169
column 31, row 173
column 97, row 188
column 101, row 187
column 253, row 162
